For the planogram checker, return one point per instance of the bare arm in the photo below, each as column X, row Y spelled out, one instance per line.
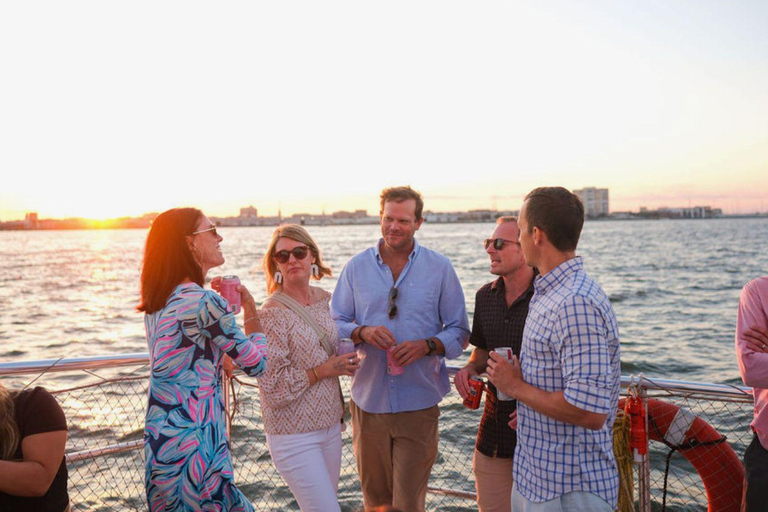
column 34, row 474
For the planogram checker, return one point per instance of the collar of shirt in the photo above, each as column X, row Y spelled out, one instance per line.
column 558, row 274
column 498, row 288
column 377, row 250
column 411, row 258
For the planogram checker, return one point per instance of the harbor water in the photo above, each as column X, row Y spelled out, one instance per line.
column 674, row 285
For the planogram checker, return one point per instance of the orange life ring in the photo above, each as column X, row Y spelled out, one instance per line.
column 718, row 465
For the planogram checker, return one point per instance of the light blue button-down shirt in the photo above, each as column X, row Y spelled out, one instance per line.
column 430, row 302
column 570, row 344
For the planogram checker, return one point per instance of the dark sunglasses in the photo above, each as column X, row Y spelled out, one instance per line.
column 212, row 228
column 392, row 312
column 498, row 243
column 299, row 253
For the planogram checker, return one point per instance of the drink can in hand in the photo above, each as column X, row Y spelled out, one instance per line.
column 228, row 290
column 392, row 367
column 476, row 386
column 346, row 346
column 506, row 353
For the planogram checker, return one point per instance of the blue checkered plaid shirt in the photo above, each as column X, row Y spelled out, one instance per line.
column 570, row 343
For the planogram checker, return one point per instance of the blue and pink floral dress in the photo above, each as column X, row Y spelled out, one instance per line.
column 188, row 465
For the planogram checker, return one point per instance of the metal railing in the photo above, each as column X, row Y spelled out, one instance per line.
column 106, row 420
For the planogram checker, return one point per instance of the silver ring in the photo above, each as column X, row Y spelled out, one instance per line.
column 762, row 346
column 352, row 360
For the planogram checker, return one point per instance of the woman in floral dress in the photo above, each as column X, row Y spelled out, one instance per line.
column 190, row 332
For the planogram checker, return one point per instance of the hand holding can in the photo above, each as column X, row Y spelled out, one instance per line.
column 228, row 290
column 476, row 385
column 506, row 353
column 346, row 346
column 392, row 367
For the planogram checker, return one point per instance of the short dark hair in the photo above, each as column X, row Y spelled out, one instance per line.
column 400, row 194
column 557, row 212
column 167, row 257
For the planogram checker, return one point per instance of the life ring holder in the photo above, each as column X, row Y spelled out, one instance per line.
column 703, row 446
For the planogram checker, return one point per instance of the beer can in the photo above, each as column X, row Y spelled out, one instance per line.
column 392, row 367
column 506, row 353
column 476, row 386
column 346, row 346
column 228, row 290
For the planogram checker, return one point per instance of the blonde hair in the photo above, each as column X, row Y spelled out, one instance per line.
column 298, row 234
column 9, row 431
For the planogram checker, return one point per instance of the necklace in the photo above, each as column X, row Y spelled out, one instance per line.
column 301, row 300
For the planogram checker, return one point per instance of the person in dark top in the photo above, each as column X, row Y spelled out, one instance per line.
column 501, row 308
column 33, row 432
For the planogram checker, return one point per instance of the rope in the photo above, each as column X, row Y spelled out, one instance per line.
column 693, row 443
column 623, row 456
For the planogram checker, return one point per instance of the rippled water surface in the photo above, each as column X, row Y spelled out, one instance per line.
column 674, row 285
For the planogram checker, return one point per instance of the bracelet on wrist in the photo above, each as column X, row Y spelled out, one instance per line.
column 317, row 378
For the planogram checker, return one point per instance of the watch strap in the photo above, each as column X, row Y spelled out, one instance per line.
column 431, row 345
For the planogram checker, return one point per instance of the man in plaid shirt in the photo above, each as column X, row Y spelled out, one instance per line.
column 568, row 378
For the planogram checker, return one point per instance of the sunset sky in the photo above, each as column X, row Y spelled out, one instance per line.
column 115, row 109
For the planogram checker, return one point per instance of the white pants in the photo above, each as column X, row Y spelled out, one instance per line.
column 310, row 464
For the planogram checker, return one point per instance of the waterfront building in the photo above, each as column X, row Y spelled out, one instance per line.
column 250, row 211
column 695, row 212
column 595, row 201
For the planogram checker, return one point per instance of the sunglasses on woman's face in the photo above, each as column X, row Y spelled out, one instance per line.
column 299, row 253
column 212, row 229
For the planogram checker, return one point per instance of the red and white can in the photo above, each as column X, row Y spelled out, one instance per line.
column 392, row 367
column 476, row 386
column 506, row 353
column 228, row 290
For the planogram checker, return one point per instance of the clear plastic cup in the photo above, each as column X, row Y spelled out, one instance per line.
column 346, row 346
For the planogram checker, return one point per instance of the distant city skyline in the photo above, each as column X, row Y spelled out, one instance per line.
column 495, row 203
column 308, row 106
column 758, row 203
column 251, row 216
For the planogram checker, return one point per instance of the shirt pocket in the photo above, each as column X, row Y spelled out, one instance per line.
column 370, row 301
column 421, row 299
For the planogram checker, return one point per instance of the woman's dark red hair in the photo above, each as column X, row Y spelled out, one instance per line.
column 167, row 258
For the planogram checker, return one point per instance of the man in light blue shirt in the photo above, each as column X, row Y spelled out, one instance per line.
column 568, row 378
column 401, row 296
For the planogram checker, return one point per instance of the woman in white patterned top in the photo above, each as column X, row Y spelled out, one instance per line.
column 300, row 395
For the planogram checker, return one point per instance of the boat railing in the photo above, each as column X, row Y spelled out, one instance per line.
column 104, row 399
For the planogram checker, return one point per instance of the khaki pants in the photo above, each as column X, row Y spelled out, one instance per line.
column 395, row 453
column 493, row 481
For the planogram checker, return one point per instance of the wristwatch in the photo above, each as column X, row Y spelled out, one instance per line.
column 431, row 345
